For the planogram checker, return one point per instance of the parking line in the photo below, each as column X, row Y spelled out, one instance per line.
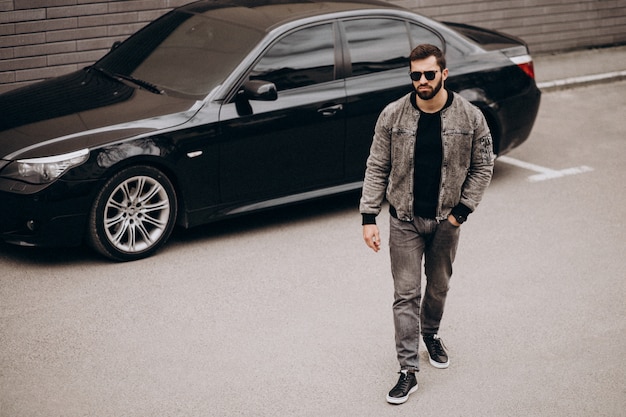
column 543, row 172
column 582, row 80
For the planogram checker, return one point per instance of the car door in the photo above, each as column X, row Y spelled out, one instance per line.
column 378, row 51
column 296, row 142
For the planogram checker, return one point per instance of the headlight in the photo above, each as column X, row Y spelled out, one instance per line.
column 44, row 170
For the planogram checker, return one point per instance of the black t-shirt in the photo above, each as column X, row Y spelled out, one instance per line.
column 428, row 160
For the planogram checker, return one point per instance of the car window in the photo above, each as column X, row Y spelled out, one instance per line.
column 420, row 34
column 183, row 53
column 377, row 45
column 301, row 58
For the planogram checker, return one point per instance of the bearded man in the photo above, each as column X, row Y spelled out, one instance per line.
column 432, row 159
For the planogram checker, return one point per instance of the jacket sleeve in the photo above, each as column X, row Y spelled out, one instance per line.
column 481, row 165
column 377, row 170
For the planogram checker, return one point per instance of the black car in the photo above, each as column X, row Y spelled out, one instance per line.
column 222, row 107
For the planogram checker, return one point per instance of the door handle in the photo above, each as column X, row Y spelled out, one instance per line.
column 330, row 110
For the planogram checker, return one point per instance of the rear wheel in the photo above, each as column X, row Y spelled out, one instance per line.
column 133, row 214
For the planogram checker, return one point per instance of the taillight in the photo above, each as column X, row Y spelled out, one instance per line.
column 525, row 62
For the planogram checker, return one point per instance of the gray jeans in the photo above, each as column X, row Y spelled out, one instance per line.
column 409, row 242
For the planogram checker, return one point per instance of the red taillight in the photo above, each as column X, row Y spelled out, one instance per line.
column 528, row 68
column 525, row 62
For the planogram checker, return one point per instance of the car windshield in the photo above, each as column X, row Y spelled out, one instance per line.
column 182, row 53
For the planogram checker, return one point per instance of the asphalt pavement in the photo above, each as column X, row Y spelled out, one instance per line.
column 581, row 67
column 82, row 337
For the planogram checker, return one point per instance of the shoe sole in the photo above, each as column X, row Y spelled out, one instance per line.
column 439, row 365
column 401, row 400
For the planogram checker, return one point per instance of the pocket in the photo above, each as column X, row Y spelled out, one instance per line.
column 452, row 225
column 401, row 140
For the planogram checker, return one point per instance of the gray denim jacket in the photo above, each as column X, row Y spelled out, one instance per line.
column 467, row 159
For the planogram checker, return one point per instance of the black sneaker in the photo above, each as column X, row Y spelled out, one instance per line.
column 436, row 351
column 407, row 385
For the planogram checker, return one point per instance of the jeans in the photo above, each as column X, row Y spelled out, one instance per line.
column 409, row 242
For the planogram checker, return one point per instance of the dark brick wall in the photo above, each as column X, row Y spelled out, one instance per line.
column 547, row 25
column 45, row 38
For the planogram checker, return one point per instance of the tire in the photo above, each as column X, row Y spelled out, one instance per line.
column 133, row 214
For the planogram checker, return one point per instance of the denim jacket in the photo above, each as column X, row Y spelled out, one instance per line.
column 467, row 164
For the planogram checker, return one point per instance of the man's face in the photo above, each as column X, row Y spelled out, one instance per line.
column 426, row 89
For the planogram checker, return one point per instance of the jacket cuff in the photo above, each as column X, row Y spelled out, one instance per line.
column 461, row 210
column 368, row 218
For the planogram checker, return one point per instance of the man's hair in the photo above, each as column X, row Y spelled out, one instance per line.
column 424, row 51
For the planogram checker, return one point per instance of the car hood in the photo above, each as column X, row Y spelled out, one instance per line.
column 79, row 110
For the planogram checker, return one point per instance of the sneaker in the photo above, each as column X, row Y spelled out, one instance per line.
column 436, row 351
column 407, row 385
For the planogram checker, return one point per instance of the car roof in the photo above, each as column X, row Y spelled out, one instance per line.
column 265, row 14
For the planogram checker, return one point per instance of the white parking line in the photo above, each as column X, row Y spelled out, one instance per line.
column 582, row 80
column 544, row 173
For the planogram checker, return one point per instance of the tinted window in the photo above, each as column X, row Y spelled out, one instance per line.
column 420, row 34
column 183, row 53
column 299, row 59
column 377, row 45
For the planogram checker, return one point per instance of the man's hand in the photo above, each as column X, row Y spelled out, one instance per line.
column 452, row 220
column 371, row 236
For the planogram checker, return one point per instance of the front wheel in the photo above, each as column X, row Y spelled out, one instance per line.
column 133, row 214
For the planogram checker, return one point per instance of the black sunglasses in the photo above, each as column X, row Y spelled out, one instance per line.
column 417, row 75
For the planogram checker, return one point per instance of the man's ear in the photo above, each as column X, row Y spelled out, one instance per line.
column 444, row 73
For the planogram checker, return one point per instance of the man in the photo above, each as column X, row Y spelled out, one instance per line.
column 432, row 158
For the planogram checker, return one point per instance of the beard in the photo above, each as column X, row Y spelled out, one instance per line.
column 427, row 95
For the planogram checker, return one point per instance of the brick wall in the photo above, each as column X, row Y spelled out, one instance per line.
column 45, row 38
column 547, row 25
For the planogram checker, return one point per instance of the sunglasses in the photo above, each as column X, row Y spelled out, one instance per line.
column 417, row 75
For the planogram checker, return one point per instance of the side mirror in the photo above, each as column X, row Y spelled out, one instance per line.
column 115, row 45
column 254, row 90
column 260, row 90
